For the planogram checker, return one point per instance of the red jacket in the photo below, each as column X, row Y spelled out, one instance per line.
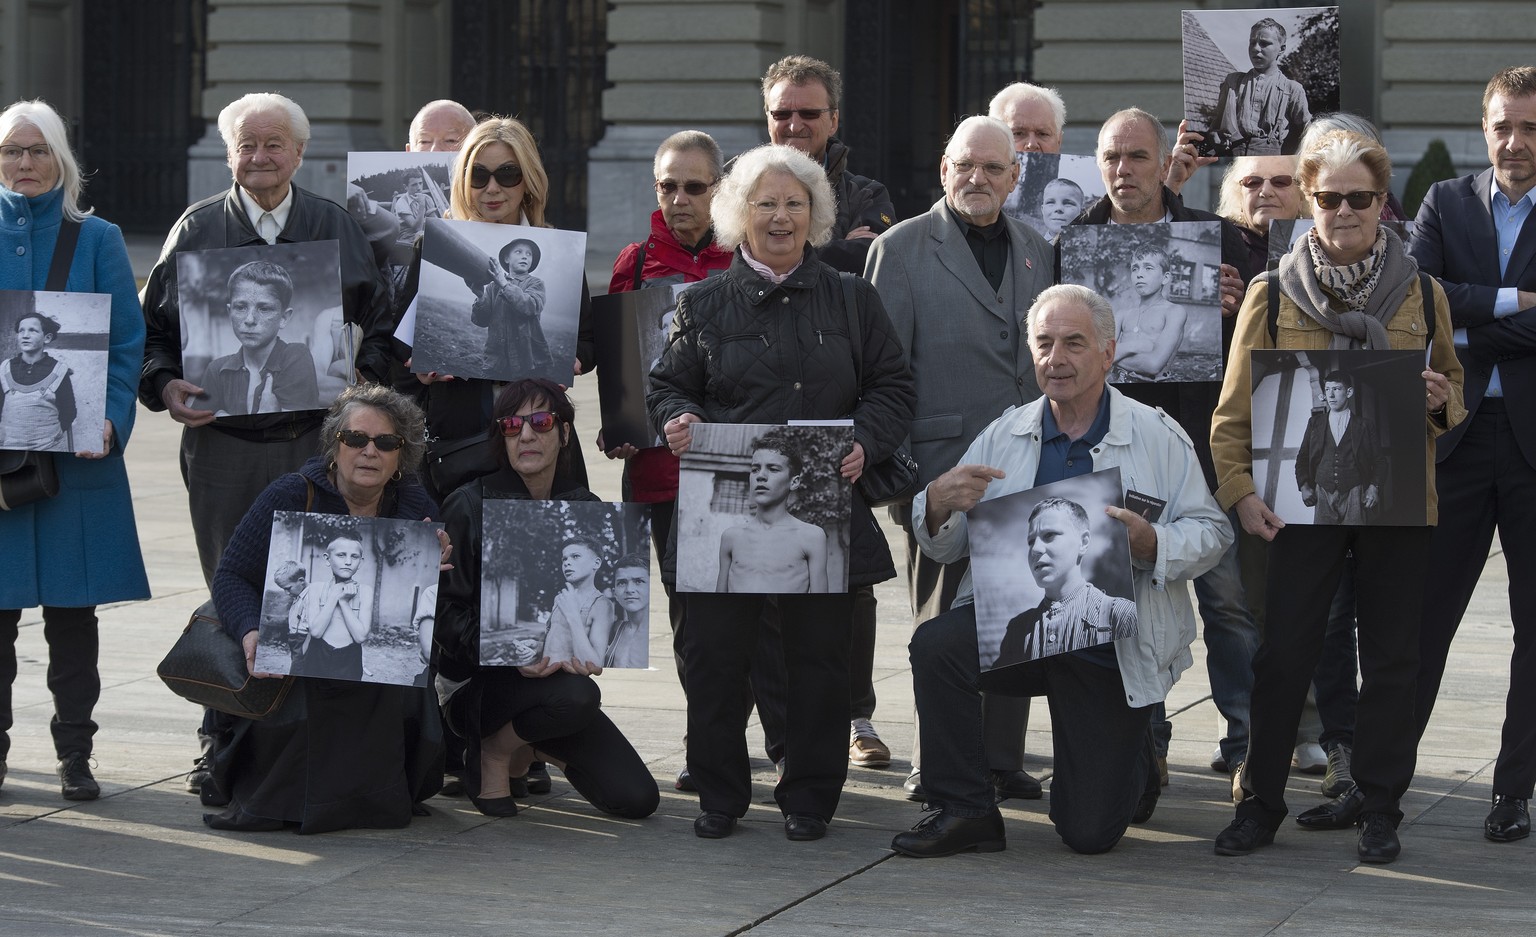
column 653, row 472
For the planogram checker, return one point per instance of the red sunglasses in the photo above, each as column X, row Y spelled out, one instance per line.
column 542, row 421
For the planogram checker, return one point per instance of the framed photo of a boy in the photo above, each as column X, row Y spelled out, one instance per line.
column 262, row 327
column 764, row 509
column 53, row 370
column 349, row 598
column 1253, row 79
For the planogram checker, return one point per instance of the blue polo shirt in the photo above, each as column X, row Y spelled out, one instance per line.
column 1063, row 457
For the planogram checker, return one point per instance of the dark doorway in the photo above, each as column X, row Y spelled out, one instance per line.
column 911, row 71
column 545, row 63
column 140, row 96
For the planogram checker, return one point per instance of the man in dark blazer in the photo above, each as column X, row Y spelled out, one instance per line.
column 957, row 282
column 1475, row 234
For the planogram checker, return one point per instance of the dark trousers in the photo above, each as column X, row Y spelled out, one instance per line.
column 933, row 588
column 1334, row 687
column 718, row 641
column 1103, row 749
column 561, row 716
column 72, row 675
column 1305, row 566
column 1486, row 483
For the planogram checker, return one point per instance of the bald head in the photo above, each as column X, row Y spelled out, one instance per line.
column 440, row 126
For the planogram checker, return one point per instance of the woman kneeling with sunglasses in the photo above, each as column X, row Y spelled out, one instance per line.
column 338, row 753
column 550, row 709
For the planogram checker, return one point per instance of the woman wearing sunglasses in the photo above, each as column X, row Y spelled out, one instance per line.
column 550, row 709
column 1255, row 191
column 338, row 754
column 1347, row 284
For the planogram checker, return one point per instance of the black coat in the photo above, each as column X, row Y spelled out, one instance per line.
column 744, row 350
column 861, row 202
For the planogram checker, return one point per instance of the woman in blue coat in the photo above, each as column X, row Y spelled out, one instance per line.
column 79, row 549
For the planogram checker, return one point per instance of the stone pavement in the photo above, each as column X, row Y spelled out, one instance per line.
column 140, row 861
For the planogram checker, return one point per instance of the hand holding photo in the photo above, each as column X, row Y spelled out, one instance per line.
column 53, row 370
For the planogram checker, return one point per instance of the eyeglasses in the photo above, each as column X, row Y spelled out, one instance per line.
column 507, row 175
column 794, row 206
column 805, row 113
column 357, row 439
column 1359, row 201
column 966, row 168
column 1254, row 182
column 669, row 188
column 542, row 421
column 41, row 153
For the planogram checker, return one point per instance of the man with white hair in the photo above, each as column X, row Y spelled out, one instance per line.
column 1035, row 116
column 956, row 282
column 439, row 127
column 1101, row 697
column 227, row 461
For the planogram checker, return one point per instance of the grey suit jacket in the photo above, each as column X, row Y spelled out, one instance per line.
column 969, row 355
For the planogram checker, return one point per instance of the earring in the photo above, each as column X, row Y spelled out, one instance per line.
column 395, row 477
column 331, row 467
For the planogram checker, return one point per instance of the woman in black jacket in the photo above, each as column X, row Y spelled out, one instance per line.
column 769, row 341
column 548, row 709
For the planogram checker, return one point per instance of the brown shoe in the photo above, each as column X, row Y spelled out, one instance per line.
column 865, row 750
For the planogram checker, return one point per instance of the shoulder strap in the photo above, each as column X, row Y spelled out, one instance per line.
column 309, row 494
column 63, row 256
column 854, row 338
column 640, row 265
column 1427, row 292
column 1272, row 284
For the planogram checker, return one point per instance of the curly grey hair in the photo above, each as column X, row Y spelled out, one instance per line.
column 404, row 416
column 731, row 208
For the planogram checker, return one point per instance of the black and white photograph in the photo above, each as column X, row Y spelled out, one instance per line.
column 498, row 301
column 349, row 598
column 632, row 329
column 1164, row 281
column 565, row 580
column 53, row 370
column 1052, row 571
column 1284, row 233
column 262, row 327
column 1338, row 436
column 764, row 509
column 1053, row 189
column 1253, row 79
column 391, row 194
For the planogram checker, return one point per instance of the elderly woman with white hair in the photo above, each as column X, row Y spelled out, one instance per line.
column 227, row 461
column 55, row 553
column 766, row 342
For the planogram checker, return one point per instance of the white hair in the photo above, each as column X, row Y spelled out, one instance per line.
column 452, row 108
column 1024, row 91
column 263, row 102
column 1103, row 313
column 989, row 125
column 39, row 115
column 732, row 213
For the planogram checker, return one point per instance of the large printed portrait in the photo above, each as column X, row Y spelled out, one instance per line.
column 53, row 370
column 1053, row 189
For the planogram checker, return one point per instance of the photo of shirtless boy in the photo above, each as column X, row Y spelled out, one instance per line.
column 774, row 551
column 1149, row 328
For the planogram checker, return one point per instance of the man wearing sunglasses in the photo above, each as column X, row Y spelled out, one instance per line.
column 801, row 97
column 1476, row 235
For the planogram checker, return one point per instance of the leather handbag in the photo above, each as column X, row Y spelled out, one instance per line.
column 27, row 476
column 892, row 480
column 207, row 666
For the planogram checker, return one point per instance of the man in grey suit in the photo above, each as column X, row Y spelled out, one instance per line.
column 957, row 282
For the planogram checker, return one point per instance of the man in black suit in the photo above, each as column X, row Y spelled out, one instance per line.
column 1476, row 235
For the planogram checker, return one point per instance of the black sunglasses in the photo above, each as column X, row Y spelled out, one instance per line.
column 692, row 188
column 357, row 439
column 806, row 113
column 1253, row 182
column 542, row 421
column 507, row 175
column 1359, row 201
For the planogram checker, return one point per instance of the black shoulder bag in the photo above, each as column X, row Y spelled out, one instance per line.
column 894, row 479
column 27, row 476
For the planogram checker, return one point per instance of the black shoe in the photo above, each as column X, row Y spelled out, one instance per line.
column 913, row 785
column 1016, row 784
column 1340, row 813
column 684, row 782
column 453, row 786
column 1508, row 821
column 1145, row 806
column 495, row 806
column 804, row 827
column 713, row 825
column 518, row 786
column 1242, row 836
column 944, row 834
column 1339, row 777
column 75, row 781
column 201, row 770
column 538, row 778
column 1378, row 838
